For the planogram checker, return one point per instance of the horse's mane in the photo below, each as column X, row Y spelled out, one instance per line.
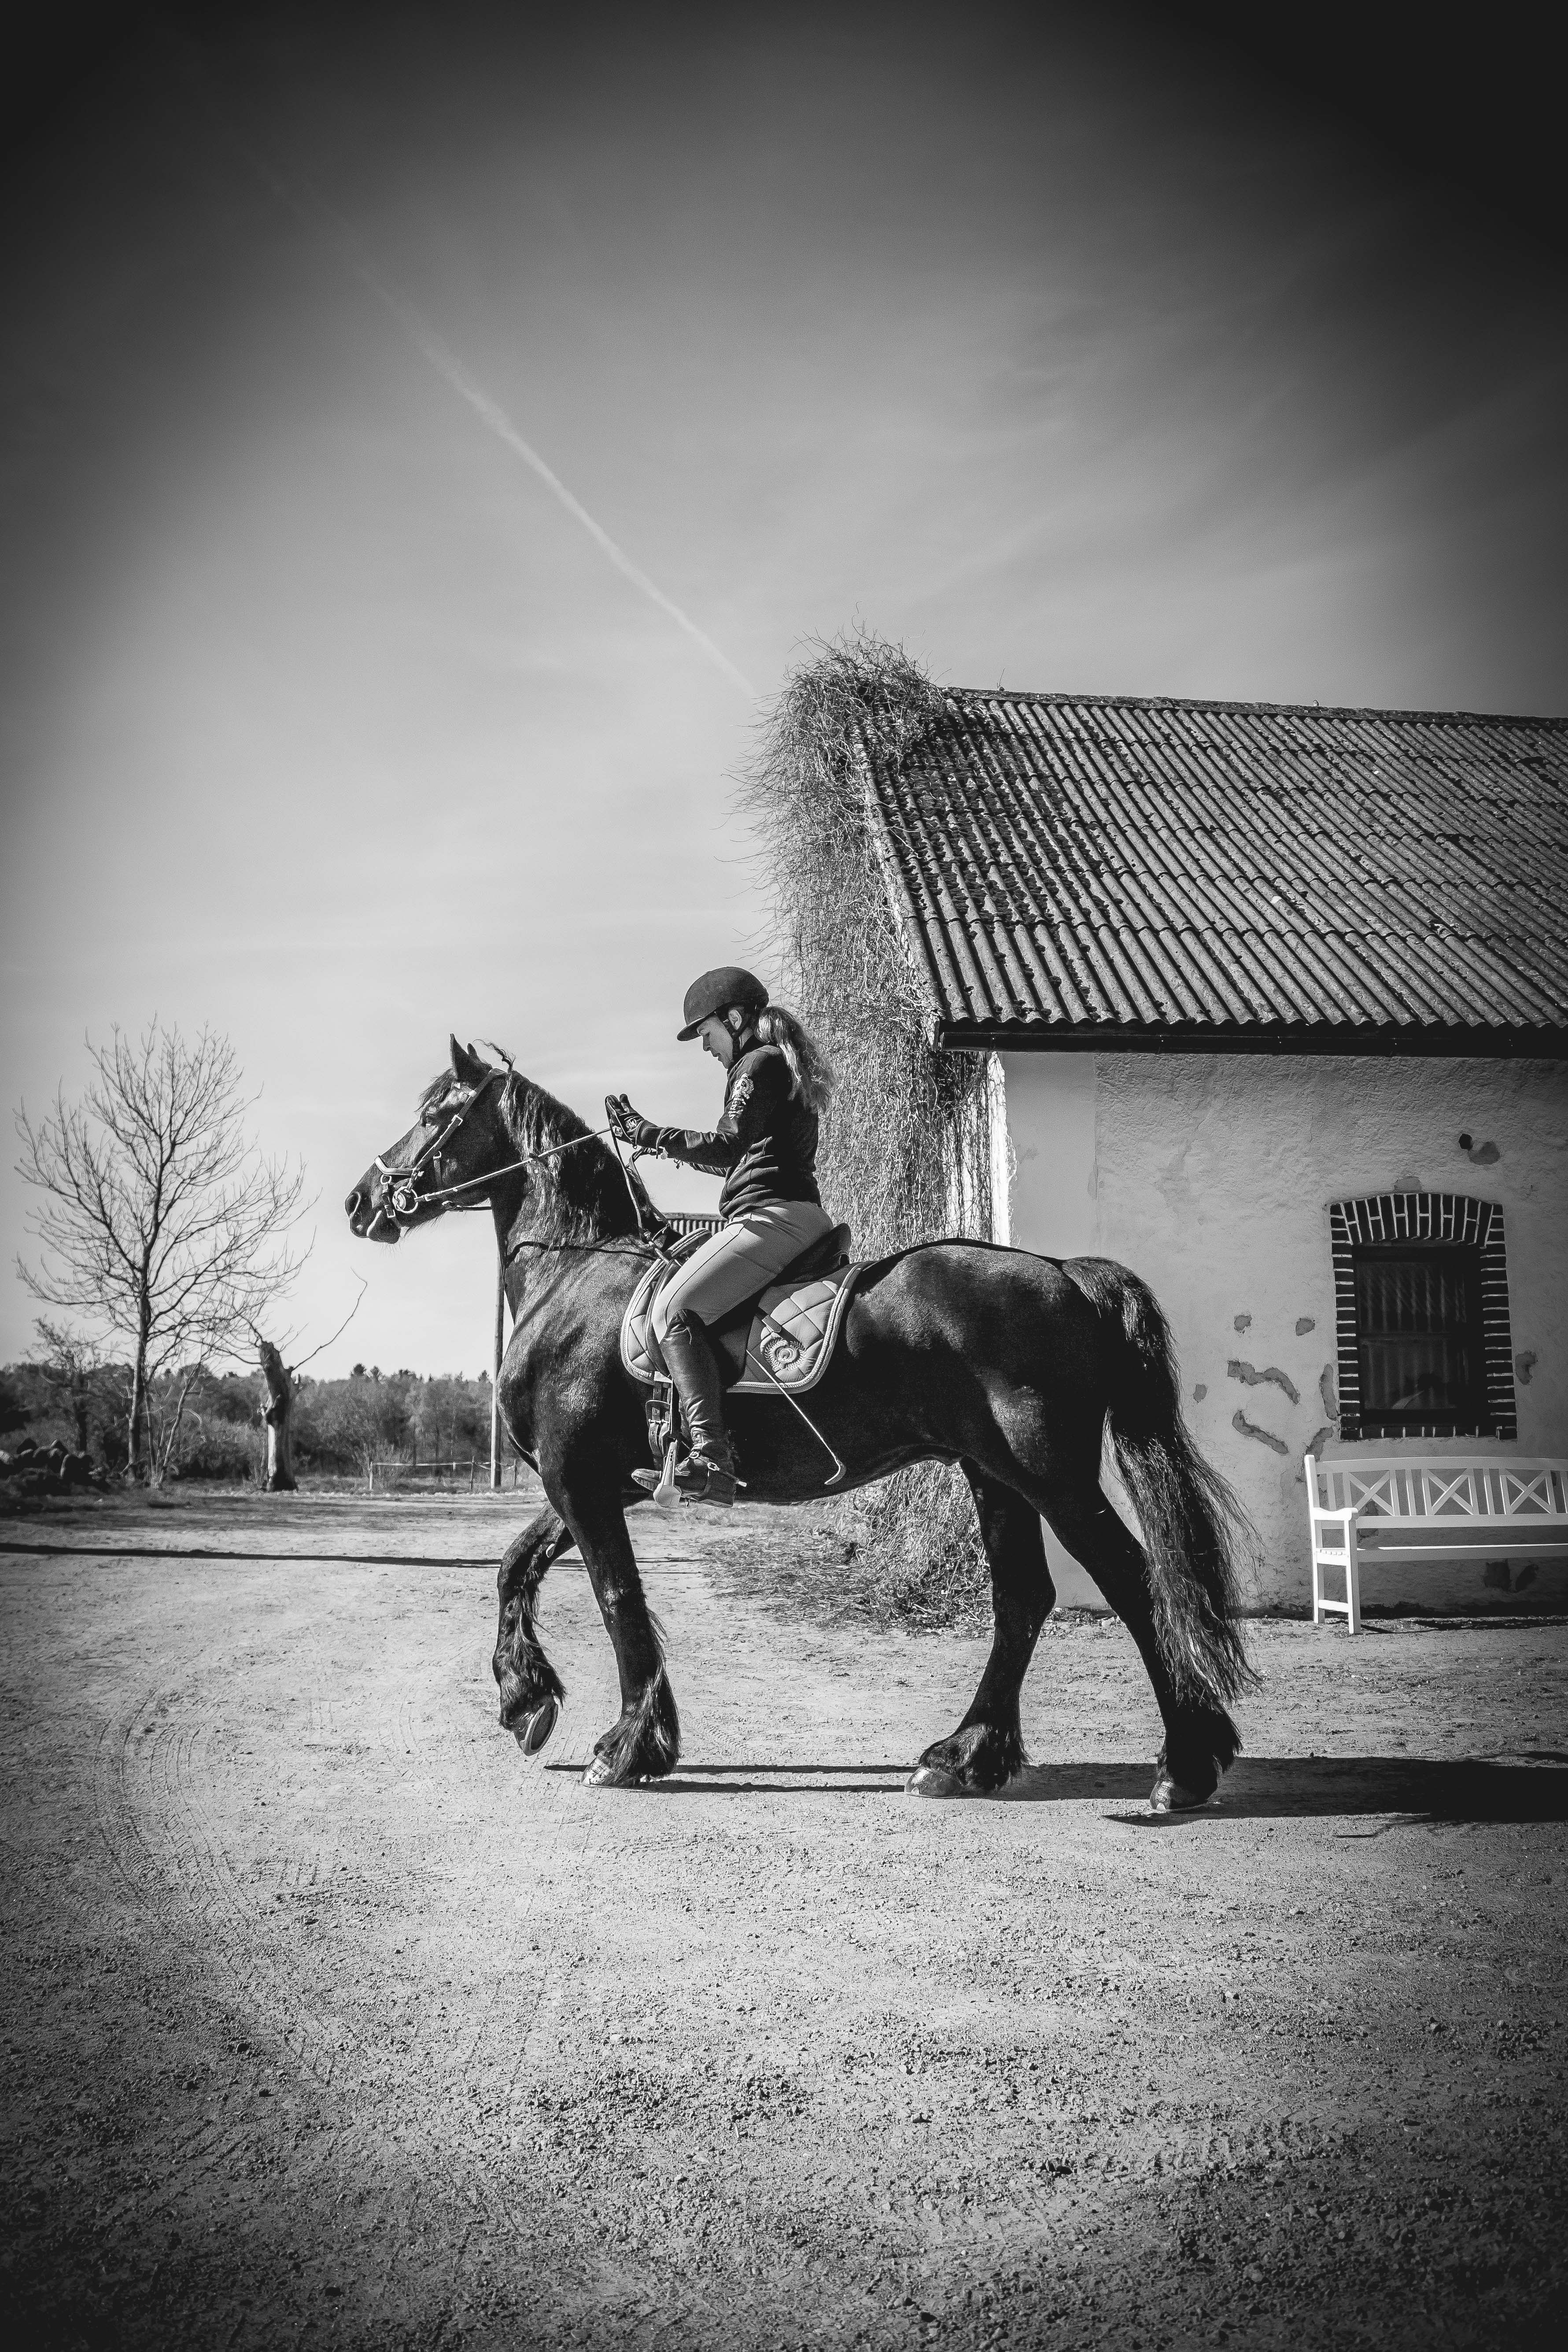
column 579, row 1195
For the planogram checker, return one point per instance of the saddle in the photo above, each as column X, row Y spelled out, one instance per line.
column 784, row 1339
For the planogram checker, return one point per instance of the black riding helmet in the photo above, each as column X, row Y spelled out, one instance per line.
column 716, row 992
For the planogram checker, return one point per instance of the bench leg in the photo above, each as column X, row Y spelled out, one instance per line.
column 1347, row 1562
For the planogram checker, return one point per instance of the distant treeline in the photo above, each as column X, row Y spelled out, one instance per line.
column 341, row 1427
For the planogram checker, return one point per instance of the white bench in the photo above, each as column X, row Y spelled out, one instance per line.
column 1417, row 1506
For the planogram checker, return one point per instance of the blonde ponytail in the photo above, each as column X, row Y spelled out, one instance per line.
column 812, row 1080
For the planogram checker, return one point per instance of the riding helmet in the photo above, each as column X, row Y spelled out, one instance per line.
column 716, row 992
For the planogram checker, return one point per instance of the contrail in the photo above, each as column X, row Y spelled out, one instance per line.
column 492, row 413
column 314, row 213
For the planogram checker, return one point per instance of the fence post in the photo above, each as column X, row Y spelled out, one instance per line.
column 495, row 1371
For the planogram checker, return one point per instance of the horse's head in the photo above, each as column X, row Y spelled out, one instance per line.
column 451, row 1142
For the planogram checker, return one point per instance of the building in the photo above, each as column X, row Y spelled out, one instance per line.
column 1277, row 1003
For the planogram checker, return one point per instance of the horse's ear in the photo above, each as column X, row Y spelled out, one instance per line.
column 467, row 1065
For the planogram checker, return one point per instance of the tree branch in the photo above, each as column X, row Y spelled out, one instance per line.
column 343, row 1326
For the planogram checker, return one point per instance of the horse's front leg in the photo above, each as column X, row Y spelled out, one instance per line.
column 531, row 1689
column 987, row 1749
column 644, row 1742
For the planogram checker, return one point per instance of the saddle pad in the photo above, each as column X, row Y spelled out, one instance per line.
column 794, row 1329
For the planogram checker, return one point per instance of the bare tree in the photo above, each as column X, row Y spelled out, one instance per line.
column 69, row 1365
column 162, row 1220
column 278, row 1417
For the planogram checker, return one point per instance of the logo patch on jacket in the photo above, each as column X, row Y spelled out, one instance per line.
column 742, row 1094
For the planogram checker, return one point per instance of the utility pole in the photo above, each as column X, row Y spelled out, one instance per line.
column 498, row 1351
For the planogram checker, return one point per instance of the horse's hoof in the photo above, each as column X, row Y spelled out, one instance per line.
column 1168, row 1796
column 534, row 1729
column 936, row 1780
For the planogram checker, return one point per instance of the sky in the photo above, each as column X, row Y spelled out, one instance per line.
column 427, row 440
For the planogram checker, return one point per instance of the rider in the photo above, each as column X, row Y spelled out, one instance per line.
column 764, row 1147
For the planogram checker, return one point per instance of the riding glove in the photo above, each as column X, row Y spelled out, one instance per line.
column 630, row 1124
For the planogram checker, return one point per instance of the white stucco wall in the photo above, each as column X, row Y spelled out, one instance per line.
column 1211, row 1176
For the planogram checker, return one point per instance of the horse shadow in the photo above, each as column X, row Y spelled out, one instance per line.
column 1527, row 1784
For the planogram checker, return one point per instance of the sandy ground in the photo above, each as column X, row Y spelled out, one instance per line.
column 328, row 2020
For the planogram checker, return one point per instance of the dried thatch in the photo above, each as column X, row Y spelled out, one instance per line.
column 906, row 1141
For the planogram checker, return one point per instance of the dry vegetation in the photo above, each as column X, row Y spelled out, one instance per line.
column 904, row 1118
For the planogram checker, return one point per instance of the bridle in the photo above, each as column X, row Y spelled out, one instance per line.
column 405, row 1199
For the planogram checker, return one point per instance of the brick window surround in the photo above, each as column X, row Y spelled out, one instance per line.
column 1417, row 1217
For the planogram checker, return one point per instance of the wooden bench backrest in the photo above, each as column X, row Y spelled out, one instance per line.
column 1416, row 1489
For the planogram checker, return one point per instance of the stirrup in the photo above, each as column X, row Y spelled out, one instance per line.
column 660, row 1483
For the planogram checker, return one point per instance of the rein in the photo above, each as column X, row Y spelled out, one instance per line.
column 405, row 1199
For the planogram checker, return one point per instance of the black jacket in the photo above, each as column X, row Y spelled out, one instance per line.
column 764, row 1147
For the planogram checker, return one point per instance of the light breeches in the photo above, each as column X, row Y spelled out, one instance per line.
column 738, row 1261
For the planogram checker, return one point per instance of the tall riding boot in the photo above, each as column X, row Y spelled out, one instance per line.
column 710, row 1474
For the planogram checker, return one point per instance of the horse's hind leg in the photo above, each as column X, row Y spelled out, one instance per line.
column 1200, row 1741
column 531, row 1689
column 988, row 1748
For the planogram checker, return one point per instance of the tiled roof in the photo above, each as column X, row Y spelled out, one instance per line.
column 1076, row 869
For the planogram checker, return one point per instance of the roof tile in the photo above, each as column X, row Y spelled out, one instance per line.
column 1073, row 864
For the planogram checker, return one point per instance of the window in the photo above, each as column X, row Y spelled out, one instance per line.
column 1424, row 1341
column 1418, row 1334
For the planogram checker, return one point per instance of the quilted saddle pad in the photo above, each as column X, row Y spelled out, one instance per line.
column 791, row 1336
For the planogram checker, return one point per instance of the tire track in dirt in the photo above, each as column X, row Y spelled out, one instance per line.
column 152, row 1814
column 166, row 1803
column 155, row 1802
column 161, row 1814
column 828, row 2012
column 196, row 1823
column 427, row 2065
column 504, row 2036
column 194, row 2157
column 564, row 1834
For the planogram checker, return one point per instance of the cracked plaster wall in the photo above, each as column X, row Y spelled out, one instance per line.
column 1211, row 1175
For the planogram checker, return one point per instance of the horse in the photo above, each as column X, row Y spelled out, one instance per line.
column 1011, row 1365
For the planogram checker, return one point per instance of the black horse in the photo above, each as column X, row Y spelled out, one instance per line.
column 1008, row 1364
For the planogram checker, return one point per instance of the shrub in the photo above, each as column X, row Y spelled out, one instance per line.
column 210, row 1447
column 906, row 1137
column 83, row 1408
column 345, row 1425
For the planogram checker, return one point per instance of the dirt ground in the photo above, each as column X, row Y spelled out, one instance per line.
column 329, row 2020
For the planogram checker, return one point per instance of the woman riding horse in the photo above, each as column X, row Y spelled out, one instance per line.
column 770, row 1209
column 1013, row 1367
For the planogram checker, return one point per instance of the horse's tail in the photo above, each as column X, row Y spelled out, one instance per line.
column 1194, row 1526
